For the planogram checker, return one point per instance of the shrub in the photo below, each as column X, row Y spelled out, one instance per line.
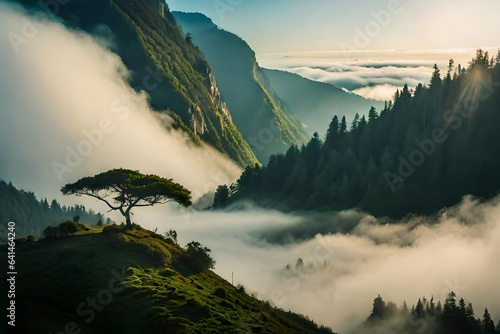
column 67, row 228
column 172, row 235
column 71, row 227
column 196, row 257
column 240, row 288
column 28, row 238
column 111, row 229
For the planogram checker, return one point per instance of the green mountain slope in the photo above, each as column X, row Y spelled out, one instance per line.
column 256, row 109
column 315, row 103
column 131, row 282
column 172, row 71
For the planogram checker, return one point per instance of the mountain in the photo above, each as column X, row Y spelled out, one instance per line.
column 315, row 103
column 162, row 62
column 35, row 215
column 116, row 280
column 426, row 151
column 257, row 111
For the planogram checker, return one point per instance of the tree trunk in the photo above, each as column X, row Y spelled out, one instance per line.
column 127, row 219
column 126, row 214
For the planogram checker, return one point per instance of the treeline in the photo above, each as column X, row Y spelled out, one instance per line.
column 429, row 317
column 424, row 151
column 32, row 216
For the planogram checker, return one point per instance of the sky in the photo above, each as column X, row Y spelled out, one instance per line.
column 368, row 47
column 323, row 25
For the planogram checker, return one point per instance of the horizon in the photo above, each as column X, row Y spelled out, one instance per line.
column 341, row 52
column 388, row 24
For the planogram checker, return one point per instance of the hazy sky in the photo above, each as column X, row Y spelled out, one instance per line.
column 368, row 47
column 323, row 25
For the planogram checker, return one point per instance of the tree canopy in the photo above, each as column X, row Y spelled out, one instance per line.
column 128, row 189
column 427, row 317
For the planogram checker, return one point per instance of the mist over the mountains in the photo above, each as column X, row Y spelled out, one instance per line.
column 67, row 111
column 457, row 250
column 375, row 75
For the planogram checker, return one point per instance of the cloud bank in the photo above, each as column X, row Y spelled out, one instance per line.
column 375, row 75
column 341, row 273
column 67, row 111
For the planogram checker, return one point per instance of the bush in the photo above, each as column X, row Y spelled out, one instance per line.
column 67, row 228
column 53, row 232
column 240, row 288
column 70, row 227
column 196, row 257
column 111, row 229
column 172, row 235
column 28, row 238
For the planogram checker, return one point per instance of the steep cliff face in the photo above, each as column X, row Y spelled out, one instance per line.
column 145, row 35
column 257, row 110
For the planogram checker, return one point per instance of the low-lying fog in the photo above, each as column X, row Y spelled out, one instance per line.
column 343, row 272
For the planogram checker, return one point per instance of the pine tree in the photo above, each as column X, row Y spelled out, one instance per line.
column 469, row 312
column 432, row 306
column 372, row 115
column 461, row 306
column 404, row 308
column 343, row 126
column 451, row 66
column 332, row 134
column 362, row 123
column 436, row 81
column 497, row 59
column 419, row 309
column 378, row 310
column 355, row 122
column 487, row 323
column 333, row 129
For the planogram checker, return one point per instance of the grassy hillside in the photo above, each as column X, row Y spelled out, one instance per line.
column 59, row 280
column 315, row 103
column 256, row 109
column 151, row 45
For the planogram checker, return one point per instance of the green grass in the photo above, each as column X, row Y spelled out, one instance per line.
column 56, row 276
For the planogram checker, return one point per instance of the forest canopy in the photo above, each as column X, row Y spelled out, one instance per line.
column 423, row 151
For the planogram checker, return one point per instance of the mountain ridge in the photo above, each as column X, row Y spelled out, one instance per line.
column 257, row 110
column 314, row 103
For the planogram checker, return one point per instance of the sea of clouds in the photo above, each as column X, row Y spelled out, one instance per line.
column 342, row 272
column 375, row 75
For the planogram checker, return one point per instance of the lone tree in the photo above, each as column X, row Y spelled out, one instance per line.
column 129, row 189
